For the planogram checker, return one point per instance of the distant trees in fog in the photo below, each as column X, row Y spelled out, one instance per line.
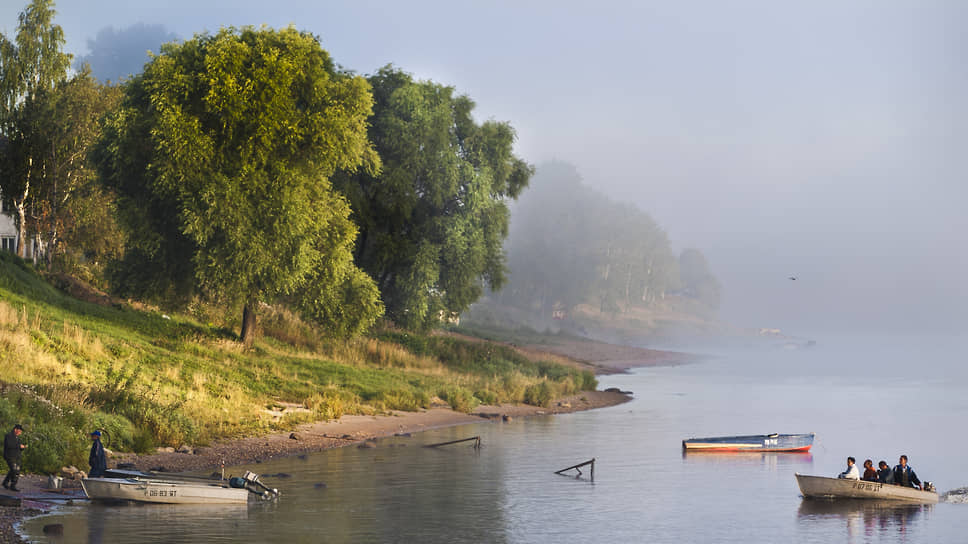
column 571, row 245
column 121, row 53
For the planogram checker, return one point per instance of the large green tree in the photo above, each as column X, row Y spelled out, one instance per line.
column 433, row 221
column 31, row 63
column 221, row 155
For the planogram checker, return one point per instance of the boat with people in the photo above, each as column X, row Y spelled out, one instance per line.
column 756, row 442
column 153, row 487
column 823, row 487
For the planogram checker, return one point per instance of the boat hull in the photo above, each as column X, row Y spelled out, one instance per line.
column 822, row 487
column 757, row 443
column 161, row 491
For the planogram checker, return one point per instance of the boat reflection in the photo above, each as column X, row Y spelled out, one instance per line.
column 101, row 522
column 767, row 459
column 863, row 519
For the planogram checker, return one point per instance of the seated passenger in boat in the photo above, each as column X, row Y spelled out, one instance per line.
column 851, row 473
column 884, row 473
column 904, row 475
column 870, row 474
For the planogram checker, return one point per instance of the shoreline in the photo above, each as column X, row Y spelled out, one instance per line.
column 358, row 430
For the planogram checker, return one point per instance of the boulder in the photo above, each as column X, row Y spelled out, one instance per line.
column 617, row 390
column 186, row 449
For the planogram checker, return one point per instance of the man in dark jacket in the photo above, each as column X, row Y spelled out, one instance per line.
column 12, row 449
column 904, row 475
column 884, row 473
column 98, row 460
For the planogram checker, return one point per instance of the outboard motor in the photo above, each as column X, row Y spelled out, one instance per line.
column 250, row 481
column 253, row 484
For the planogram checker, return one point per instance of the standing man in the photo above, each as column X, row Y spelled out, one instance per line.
column 851, row 473
column 98, row 460
column 12, row 449
column 904, row 475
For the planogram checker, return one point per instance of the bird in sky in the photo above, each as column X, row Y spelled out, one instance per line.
column 793, row 278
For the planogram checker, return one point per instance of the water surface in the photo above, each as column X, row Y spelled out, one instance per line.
column 870, row 398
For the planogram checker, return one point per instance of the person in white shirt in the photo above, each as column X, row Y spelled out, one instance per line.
column 851, row 473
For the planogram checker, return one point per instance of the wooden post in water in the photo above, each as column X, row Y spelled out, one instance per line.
column 477, row 445
column 578, row 468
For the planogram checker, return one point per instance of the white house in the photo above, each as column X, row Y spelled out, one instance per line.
column 9, row 235
column 8, row 230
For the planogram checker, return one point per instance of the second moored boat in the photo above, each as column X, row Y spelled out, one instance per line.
column 755, row 442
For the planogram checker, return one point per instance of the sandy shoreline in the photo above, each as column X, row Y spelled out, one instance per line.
column 356, row 430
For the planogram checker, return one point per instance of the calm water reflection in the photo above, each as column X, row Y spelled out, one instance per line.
column 866, row 399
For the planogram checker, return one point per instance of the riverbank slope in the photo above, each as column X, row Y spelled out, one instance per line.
column 358, row 430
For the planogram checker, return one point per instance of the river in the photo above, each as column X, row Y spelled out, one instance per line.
column 867, row 397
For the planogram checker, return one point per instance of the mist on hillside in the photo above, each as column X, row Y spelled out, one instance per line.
column 820, row 141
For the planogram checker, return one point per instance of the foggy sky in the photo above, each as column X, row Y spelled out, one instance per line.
column 814, row 139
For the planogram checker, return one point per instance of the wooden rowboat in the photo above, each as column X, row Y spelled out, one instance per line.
column 822, row 487
column 756, row 442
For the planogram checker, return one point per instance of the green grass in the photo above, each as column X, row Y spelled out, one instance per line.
column 149, row 380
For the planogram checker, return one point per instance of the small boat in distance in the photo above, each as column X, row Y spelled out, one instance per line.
column 822, row 487
column 755, row 442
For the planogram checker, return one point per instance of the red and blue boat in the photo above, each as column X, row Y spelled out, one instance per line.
column 755, row 442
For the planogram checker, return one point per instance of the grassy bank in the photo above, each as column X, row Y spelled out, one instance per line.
column 150, row 379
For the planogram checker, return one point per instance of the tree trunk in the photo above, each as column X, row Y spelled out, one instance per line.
column 21, row 205
column 248, row 324
column 21, row 226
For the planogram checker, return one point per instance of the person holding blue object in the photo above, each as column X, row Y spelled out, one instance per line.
column 98, row 460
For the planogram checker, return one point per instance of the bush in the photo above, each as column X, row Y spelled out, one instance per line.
column 49, row 446
column 118, row 432
column 330, row 403
column 407, row 401
column 588, row 381
column 460, row 399
column 122, row 395
column 486, row 397
column 540, row 394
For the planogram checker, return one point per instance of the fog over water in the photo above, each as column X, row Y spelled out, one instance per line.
column 822, row 140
